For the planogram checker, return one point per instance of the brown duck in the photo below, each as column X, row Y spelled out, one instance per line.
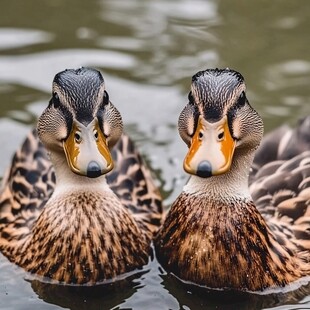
column 220, row 233
column 65, row 212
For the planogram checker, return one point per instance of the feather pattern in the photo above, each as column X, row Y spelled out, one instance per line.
column 68, row 227
column 248, row 227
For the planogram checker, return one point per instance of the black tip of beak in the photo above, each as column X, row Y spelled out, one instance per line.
column 93, row 170
column 204, row 169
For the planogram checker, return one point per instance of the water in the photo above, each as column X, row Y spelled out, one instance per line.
column 147, row 51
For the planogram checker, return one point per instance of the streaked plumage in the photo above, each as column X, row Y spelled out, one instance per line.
column 219, row 232
column 60, row 216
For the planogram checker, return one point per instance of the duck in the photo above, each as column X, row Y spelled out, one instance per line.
column 78, row 205
column 237, row 225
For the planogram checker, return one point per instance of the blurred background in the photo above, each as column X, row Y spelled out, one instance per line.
column 147, row 51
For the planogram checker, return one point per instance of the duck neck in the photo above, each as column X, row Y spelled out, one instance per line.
column 66, row 179
column 234, row 183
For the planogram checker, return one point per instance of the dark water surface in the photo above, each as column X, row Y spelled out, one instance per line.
column 147, row 52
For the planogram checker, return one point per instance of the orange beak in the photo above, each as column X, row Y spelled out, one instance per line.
column 211, row 150
column 87, row 151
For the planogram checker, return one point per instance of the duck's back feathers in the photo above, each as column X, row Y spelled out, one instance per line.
column 283, row 143
column 280, row 182
column 26, row 187
column 281, row 193
column 131, row 181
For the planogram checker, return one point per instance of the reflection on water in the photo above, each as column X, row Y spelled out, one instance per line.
column 147, row 51
column 152, row 288
column 13, row 38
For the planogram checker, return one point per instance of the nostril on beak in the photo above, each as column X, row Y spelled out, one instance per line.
column 93, row 170
column 204, row 169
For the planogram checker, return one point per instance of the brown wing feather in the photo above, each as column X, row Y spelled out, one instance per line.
column 280, row 183
column 132, row 182
column 282, row 143
column 26, row 187
column 281, row 188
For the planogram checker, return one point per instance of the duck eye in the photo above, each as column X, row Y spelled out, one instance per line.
column 77, row 137
column 200, row 135
column 241, row 100
column 220, row 136
column 56, row 101
column 96, row 135
column 106, row 98
column 190, row 98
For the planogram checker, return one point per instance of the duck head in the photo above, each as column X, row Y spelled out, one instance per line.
column 81, row 122
column 217, row 121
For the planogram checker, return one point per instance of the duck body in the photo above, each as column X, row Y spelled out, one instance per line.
column 227, row 244
column 215, row 234
column 70, row 227
column 79, row 234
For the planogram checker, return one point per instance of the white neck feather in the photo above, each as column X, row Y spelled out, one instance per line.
column 234, row 183
column 66, row 180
